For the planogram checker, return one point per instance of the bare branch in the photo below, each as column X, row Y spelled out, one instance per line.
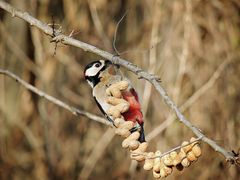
column 54, row 100
column 120, row 61
column 192, row 99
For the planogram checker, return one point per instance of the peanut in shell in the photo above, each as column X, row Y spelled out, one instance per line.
column 148, row 165
column 196, row 150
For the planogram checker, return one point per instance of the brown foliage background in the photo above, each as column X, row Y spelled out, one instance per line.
column 183, row 43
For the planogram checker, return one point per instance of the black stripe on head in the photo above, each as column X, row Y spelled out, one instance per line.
column 93, row 80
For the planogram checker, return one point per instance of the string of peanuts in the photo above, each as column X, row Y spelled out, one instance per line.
column 161, row 164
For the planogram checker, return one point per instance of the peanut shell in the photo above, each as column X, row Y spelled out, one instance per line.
column 157, row 161
column 141, row 149
column 185, row 162
column 135, row 135
column 131, row 140
column 115, row 89
column 112, row 91
column 115, row 101
column 122, row 132
column 133, row 144
column 180, row 156
column 173, row 155
column 168, row 170
column 148, row 165
column 163, row 173
column 123, row 107
column 186, row 147
column 125, row 143
column 196, row 150
column 191, row 156
column 156, row 174
column 127, row 125
column 167, row 160
column 114, row 112
column 118, row 121
column 192, row 140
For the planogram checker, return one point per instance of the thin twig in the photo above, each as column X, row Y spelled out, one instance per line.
column 54, row 100
column 115, row 33
column 191, row 100
column 120, row 61
column 168, row 152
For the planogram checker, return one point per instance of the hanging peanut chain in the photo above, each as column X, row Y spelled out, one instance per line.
column 161, row 164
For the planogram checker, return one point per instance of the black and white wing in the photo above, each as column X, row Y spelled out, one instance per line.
column 102, row 110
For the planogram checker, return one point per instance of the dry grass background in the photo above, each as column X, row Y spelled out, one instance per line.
column 184, row 42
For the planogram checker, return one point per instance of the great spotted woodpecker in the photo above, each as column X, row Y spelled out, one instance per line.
column 100, row 75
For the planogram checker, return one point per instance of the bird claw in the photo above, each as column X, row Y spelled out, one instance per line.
column 137, row 127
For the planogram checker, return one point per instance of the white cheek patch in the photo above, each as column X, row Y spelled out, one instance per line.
column 93, row 71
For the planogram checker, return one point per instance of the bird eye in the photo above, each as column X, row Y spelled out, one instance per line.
column 97, row 65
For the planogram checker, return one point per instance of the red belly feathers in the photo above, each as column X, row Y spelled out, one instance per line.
column 134, row 113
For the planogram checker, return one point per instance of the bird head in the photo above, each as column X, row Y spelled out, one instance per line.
column 95, row 71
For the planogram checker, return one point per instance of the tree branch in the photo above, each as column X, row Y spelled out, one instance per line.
column 192, row 99
column 54, row 100
column 59, row 37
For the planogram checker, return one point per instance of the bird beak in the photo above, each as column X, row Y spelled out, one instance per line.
column 108, row 63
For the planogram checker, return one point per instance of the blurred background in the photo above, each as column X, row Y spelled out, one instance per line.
column 193, row 46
